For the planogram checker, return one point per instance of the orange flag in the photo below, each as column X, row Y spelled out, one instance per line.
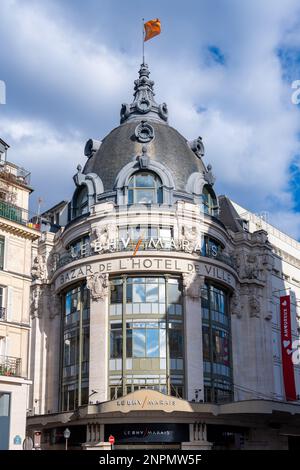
column 152, row 28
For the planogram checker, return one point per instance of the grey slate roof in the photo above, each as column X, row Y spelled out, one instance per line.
column 121, row 146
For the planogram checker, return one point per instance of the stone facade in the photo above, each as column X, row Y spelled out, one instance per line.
column 155, row 288
column 18, row 237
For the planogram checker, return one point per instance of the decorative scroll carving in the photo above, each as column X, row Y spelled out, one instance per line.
column 98, row 285
column 236, row 308
column 197, row 146
column 103, row 234
column 35, row 295
column 39, row 268
column 193, row 284
column 191, row 238
column 254, row 303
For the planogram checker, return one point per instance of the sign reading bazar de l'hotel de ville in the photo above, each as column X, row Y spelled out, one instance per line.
column 122, row 264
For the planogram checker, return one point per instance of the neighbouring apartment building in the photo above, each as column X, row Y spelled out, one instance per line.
column 17, row 235
column 157, row 305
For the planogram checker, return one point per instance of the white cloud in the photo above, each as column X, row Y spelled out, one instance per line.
column 249, row 127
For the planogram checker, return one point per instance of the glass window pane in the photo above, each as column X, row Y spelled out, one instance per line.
column 144, row 196
column 174, row 294
column 162, row 342
column 144, row 180
column 152, row 292
column 138, row 293
column 139, row 342
column 152, row 343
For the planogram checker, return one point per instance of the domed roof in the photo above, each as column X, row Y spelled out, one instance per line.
column 144, row 123
column 121, row 146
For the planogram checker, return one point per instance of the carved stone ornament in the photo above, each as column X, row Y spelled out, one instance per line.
column 209, row 176
column 163, row 111
column 102, row 236
column 53, row 303
column 197, row 147
column 144, row 132
column 236, row 304
column 39, row 268
column 191, row 238
column 143, row 159
column 98, row 285
column 35, row 295
column 254, row 303
column 193, row 284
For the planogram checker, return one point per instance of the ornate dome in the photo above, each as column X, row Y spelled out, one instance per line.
column 144, row 123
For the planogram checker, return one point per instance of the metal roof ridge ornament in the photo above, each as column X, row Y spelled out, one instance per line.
column 144, row 158
column 144, row 101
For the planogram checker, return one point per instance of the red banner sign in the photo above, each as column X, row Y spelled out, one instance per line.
column 286, row 348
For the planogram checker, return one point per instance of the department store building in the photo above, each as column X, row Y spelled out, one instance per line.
column 156, row 304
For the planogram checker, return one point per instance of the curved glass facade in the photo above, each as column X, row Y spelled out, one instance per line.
column 75, row 348
column 216, row 344
column 146, row 347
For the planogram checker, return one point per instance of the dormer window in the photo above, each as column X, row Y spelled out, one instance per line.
column 209, row 201
column 81, row 201
column 144, row 188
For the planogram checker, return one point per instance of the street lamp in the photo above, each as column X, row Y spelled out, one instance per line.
column 67, row 434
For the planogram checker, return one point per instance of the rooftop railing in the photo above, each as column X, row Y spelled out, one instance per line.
column 14, row 174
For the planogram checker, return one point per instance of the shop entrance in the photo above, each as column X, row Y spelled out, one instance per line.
column 147, row 435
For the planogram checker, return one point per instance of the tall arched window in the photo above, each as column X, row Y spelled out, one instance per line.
column 81, row 201
column 144, row 188
column 209, row 200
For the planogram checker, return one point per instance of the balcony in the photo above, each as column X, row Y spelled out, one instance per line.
column 10, row 366
column 14, row 174
column 17, row 214
column 2, row 313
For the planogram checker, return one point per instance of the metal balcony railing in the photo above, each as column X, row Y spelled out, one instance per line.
column 2, row 313
column 10, row 366
column 17, row 214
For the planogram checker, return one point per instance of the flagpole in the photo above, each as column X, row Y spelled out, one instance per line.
column 143, row 37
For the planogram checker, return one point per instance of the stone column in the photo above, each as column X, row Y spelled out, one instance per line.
column 193, row 336
column 98, row 380
column 198, row 438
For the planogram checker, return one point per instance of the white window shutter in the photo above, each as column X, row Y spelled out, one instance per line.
column 9, row 304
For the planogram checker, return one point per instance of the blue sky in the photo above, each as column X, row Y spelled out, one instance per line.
column 225, row 69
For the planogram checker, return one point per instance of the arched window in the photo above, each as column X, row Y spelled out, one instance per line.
column 209, row 201
column 144, row 188
column 81, row 201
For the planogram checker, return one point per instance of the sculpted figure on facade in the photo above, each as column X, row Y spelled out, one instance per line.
column 193, row 284
column 39, row 268
column 254, row 303
column 35, row 295
column 98, row 285
column 236, row 308
column 102, row 236
column 190, row 238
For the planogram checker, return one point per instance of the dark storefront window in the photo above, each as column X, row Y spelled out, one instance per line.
column 216, row 344
column 75, row 354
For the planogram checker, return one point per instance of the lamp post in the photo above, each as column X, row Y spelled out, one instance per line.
column 67, row 434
